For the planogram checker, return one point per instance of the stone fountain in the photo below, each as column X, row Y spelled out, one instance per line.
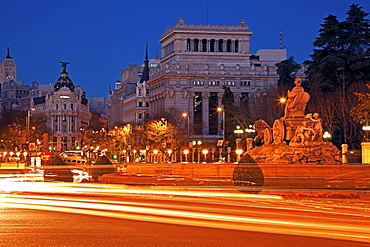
column 296, row 137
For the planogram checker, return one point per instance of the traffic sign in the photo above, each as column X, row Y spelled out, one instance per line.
column 46, row 156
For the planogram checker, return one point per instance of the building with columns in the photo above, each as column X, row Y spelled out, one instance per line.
column 197, row 61
column 65, row 111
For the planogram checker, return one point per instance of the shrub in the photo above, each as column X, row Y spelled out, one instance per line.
column 102, row 166
column 57, row 170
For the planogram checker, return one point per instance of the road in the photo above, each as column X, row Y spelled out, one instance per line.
column 48, row 214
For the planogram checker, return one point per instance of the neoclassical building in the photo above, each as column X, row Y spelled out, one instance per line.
column 66, row 112
column 197, row 61
column 128, row 103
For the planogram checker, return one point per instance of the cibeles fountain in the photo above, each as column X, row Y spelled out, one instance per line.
column 296, row 137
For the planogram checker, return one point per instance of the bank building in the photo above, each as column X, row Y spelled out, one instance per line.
column 196, row 62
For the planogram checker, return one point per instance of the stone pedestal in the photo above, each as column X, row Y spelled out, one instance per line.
column 365, row 152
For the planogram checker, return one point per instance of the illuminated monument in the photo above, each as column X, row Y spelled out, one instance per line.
column 296, row 137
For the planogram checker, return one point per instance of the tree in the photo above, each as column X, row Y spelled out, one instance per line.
column 164, row 136
column 361, row 112
column 286, row 70
column 339, row 64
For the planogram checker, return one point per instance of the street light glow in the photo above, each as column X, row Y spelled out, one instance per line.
column 282, row 100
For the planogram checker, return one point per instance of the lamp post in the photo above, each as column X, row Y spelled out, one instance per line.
column 366, row 128
column 185, row 114
column 220, row 109
column 238, row 153
column 205, row 152
column 28, row 124
column 186, row 152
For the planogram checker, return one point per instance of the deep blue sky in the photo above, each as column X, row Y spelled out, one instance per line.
column 101, row 37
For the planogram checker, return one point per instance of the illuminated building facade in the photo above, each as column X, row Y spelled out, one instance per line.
column 197, row 61
column 66, row 112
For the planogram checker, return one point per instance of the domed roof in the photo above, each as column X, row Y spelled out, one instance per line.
column 64, row 80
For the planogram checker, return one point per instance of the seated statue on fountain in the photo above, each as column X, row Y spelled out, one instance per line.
column 297, row 100
column 295, row 137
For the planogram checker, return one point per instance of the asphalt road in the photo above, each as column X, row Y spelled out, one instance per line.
column 48, row 214
column 25, row 227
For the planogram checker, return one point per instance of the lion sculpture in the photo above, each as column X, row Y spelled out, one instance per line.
column 260, row 126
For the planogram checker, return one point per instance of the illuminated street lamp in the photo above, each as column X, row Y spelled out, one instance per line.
column 155, row 152
column 185, row 114
column 366, row 128
column 282, row 100
column 205, row 152
column 169, row 151
column 238, row 153
column 219, row 109
column 238, row 130
column 186, row 152
column 250, row 129
column 326, row 136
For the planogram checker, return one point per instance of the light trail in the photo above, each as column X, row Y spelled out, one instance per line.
column 248, row 220
column 70, row 188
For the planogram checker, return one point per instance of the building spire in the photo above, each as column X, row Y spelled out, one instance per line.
column 8, row 55
column 145, row 75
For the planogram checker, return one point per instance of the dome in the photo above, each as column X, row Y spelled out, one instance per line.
column 64, row 80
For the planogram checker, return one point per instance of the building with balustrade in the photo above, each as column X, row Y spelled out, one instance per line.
column 197, row 61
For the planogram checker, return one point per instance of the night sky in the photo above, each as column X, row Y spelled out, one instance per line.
column 101, row 37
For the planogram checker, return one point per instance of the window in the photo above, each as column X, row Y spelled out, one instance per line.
column 72, row 107
column 236, row 45
column 228, row 45
column 198, row 82
column 213, row 43
column 245, row 83
column 204, row 45
column 140, row 115
column 65, row 106
column 140, row 104
column 220, row 45
column 188, row 45
column 196, row 45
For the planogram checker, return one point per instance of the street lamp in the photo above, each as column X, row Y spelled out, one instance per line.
column 219, row 109
column 155, row 152
column 238, row 153
column 186, row 152
column 205, row 152
column 326, row 136
column 185, row 114
column 28, row 124
column 366, row 128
